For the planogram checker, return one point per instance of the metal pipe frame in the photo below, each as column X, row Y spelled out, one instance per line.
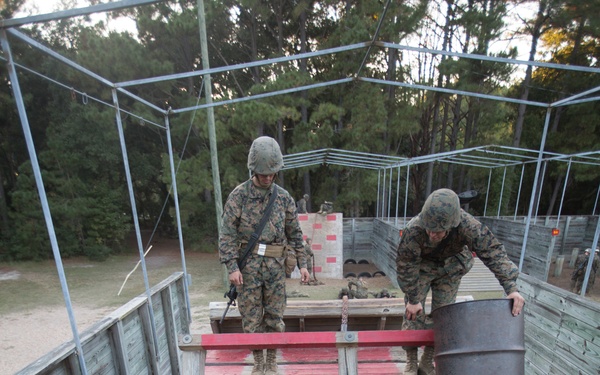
column 39, row 182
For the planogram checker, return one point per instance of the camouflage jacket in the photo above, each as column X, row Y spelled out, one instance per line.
column 308, row 250
column 415, row 247
column 242, row 213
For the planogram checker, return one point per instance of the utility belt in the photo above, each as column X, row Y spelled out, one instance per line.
column 271, row 251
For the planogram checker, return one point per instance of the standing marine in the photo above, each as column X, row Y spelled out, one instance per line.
column 302, row 204
column 261, row 282
column 435, row 252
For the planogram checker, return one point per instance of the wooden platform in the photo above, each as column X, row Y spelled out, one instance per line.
column 325, row 315
column 367, row 352
column 309, row 361
column 479, row 279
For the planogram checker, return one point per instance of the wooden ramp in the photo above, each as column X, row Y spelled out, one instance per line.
column 479, row 279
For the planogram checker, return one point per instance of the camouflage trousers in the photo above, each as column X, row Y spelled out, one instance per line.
column 577, row 283
column 261, row 299
column 443, row 279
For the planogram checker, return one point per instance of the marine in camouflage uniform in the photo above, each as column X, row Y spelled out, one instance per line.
column 434, row 253
column 579, row 271
column 302, row 204
column 310, row 256
column 578, row 276
column 261, row 282
column 361, row 290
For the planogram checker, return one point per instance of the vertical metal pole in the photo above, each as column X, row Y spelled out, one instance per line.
column 487, row 194
column 591, row 260
column 378, row 192
column 214, row 159
column 539, row 195
column 383, row 191
column 136, row 222
column 519, row 193
column 406, row 195
column 501, row 193
column 535, row 182
column 390, row 194
column 16, row 88
column 596, row 202
column 178, row 215
column 397, row 196
column 562, row 198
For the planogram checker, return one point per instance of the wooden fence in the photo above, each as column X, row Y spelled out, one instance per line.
column 562, row 335
column 122, row 342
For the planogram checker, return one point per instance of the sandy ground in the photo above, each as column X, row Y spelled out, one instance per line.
column 25, row 337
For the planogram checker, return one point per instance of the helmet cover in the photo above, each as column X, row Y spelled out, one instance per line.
column 441, row 211
column 265, row 156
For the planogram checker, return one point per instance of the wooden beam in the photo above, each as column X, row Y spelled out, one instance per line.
column 252, row 341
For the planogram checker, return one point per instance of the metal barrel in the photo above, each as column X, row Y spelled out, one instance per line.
column 479, row 337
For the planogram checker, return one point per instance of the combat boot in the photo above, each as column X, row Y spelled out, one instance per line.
column 259, row 363
column 412, row 365
column 271, row 366
column 426, row 363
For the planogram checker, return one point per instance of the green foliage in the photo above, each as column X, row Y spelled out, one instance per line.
column 79, row 148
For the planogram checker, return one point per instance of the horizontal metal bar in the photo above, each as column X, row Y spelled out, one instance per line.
column 229, row 68
column 106, row 7
column 490, row 58
column 453, row 91
column 264, row 95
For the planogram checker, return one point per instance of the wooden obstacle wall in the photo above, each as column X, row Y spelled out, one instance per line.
column 122, row 342
column 562, row 330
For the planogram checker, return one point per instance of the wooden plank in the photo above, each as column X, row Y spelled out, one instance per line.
column 280, row 340
column 325, row 315
column 170, row 330
column 120, row 354
column 98, row 354
column 307, row 361
column 561, row 330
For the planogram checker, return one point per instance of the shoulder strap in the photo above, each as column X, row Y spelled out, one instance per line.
column 258, row 230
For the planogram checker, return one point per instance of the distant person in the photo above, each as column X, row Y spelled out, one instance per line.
column 579, row 271
column 578, row 275
column 344, row 292
column 326, row 208
column 302, row 204
column 310, row 258
column 261, row 282
column 384, row 293
column 434, row 253
column 360, row 290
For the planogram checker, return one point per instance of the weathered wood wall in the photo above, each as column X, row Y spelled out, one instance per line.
column 562, row 334
column 385, row 241
column 122, row 342
column 575, row 231
column 540, row 244
column 357, row 238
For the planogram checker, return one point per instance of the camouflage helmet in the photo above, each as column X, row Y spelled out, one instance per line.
column 441, row 211
column 305, row 196
column 265, row 156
